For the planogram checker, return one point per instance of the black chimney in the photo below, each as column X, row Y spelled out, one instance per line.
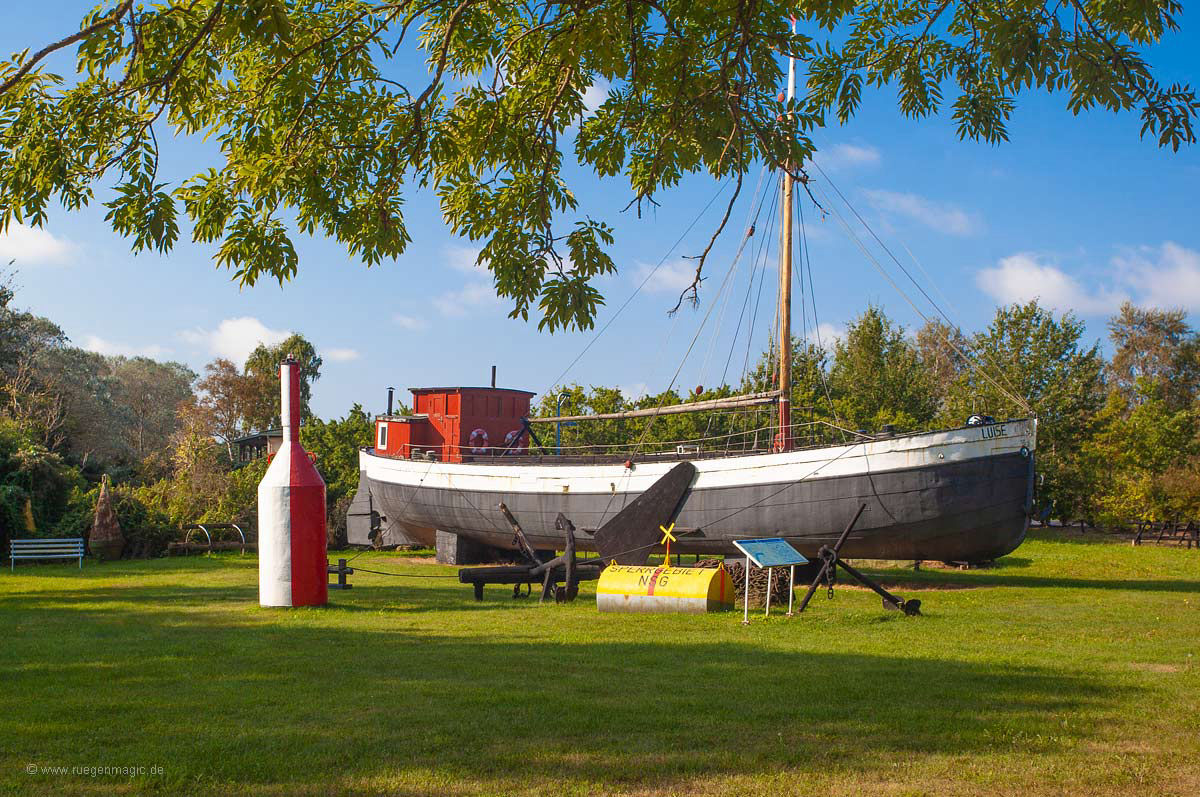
column 391, row 390
column 493, row 376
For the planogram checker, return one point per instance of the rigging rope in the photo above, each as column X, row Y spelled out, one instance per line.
column 806, row 265
column 403, row 575
column 762, row 277
column 790, row 485
column 763, row 244
column 736, row 258
column 752, row 216
column 1009, row 393
column 883, row 272
column 662, row 402
column 408, row 501
column 641, row 285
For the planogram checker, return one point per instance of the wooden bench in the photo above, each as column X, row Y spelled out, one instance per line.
column 69, row 548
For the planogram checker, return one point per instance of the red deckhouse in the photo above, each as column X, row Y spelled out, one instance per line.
column 455, row 424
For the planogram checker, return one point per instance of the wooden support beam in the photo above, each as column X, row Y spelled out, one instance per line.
column 732, row 402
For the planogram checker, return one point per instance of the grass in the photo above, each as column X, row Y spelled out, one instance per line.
column 1070, row 668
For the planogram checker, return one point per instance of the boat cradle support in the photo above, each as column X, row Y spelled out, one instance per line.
column 565, row 567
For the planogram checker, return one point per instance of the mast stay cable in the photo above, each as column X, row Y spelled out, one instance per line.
column 558, row 380
column 1011, row 391
column 806, row 265
column 883, row 272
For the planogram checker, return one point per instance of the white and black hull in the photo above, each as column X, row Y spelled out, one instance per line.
column 956, row 495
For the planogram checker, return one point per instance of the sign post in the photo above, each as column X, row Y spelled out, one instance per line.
column 667, row 539
column 768, row 553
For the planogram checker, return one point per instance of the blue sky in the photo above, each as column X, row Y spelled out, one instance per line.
column 1075, row 210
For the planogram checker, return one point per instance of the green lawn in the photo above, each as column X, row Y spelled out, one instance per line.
column 1071, row 668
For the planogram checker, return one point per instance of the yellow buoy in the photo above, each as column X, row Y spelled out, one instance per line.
column 628, row 588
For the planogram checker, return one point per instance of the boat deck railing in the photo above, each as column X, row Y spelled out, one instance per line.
column 805, row 435
column 760, row 440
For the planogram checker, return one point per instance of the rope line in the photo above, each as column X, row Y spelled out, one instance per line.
column 402, row 575
column 883, row 272
column 806, row 254
column 641, row 285
column 1012, row 396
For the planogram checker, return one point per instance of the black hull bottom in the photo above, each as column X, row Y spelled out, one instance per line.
column 973, row 510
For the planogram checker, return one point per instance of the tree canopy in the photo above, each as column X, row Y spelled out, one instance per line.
column 329, row 115
column 261, row 408
column 878, row 377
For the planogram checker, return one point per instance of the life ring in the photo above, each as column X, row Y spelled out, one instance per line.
column 478, row 441
column 512, row 441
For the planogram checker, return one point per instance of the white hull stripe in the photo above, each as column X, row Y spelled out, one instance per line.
column 912, row 451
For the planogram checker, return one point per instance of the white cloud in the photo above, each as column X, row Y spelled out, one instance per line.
column 1167, row 277
column 111, row 348
column 634, row 390
column 673, row 277
column 235, row 338
column 463, row 258
column 829, row 333
column 466, row 300
column 1023, row 276
column 477, row 293
column 843, row 156
column 29, row 245
column 595, row 96
column 340, row 355
column 410, row 322
column 940, row 216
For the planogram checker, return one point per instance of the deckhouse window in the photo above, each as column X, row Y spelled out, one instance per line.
column 382, row 441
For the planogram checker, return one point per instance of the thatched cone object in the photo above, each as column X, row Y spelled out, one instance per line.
column 758, row 581
column 27, row 516
column 106, row 540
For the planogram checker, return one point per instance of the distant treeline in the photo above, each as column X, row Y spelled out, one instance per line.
column 1117, row 439
column 163, row 433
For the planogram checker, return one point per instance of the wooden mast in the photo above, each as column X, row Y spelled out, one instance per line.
column 783, row 440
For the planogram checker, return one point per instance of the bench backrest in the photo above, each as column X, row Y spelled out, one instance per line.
column 32, row 549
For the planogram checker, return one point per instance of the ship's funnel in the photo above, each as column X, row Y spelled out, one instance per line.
column 292, row 564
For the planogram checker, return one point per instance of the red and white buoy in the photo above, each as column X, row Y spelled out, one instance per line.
column 292, row 564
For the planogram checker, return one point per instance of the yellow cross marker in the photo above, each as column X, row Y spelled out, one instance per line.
column 667, row 539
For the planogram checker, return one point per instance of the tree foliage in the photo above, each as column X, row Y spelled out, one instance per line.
column 336, row 444
column 877, row 377
column 261, row 396
column 225, row 394
column 149, row 393
column 1141, row 451
column 1110, row 451
column 328, row 116
column 35, row 484
column 1029, row 352
column 1156, row 353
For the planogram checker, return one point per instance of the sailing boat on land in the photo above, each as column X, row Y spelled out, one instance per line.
column 961, row 494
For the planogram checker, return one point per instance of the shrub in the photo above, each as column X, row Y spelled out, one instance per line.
column 147, row 528
column 34, row 485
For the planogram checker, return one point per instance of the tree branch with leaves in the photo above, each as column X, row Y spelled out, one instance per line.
column 329, row 115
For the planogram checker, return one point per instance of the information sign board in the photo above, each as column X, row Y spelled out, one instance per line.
column 770, row 552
